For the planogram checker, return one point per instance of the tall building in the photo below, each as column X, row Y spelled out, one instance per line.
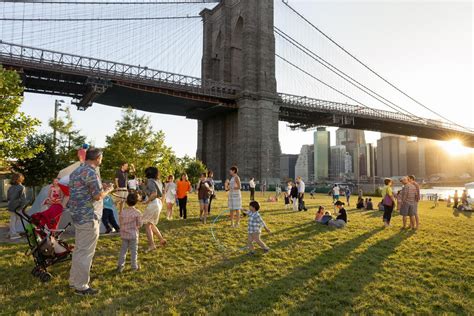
column 391, row 156
column 337, row 163
column 321, row 153
column 366, row 160
column 287, row 166
column 352, row 139
column 416, row 157
column 305, row 164
column 347, row 163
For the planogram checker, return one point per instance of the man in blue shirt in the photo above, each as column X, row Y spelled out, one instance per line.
column 85, row 205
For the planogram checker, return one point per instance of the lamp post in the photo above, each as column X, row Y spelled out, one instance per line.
column 57, row 107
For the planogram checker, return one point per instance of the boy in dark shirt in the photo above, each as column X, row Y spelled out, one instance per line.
column 341, row 219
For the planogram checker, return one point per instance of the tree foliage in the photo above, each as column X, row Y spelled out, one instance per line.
column 135, row 142
column 68, row 139
column 44, row 166
column 15, row 126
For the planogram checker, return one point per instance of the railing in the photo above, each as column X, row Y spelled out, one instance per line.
column 81, row 65
column 301, row 102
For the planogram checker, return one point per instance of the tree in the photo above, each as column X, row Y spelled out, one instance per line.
column 135, row 141
column 194, row 170
column 15, row 126
column 68, row 139
column 44, row 166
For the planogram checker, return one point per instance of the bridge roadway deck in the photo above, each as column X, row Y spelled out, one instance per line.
column 114, row 84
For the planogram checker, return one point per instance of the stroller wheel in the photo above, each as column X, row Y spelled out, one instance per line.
column 36, row 272
column 45, row 276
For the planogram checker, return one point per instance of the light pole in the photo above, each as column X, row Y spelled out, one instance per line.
column 57, row 106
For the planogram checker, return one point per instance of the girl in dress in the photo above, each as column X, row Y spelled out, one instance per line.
column 235, row 197
column 55, row 196
column 151, row 215
column 170, row 196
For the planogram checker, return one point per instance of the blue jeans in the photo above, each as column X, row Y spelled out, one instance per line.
column 108, row 217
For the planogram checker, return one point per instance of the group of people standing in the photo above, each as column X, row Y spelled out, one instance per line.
column 408, row 200
column 294, row 195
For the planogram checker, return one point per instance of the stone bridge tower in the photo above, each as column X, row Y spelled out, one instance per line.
column 239, row 49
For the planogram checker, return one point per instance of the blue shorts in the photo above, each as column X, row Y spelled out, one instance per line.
column 204, row 201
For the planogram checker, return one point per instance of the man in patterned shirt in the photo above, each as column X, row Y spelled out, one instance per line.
column 85, row 206
column 255, row 228
column 408, row 202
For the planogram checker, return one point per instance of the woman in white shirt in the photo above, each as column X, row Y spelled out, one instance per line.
column 170, row 196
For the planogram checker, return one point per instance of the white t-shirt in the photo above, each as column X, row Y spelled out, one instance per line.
column 252, row 184
column 335, row 190
column 301, row 187
column 132, row 184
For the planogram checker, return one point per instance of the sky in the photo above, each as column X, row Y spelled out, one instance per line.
column 424, row 47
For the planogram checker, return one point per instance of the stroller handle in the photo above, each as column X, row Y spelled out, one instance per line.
column 23, row 213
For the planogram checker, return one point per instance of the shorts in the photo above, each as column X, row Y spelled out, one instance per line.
column 408, row 210
column 204, row 201
column 335, row 197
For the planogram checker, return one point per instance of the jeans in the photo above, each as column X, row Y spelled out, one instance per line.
column 132, row 246
column 209, row 206
column 182, row 207
column 252, row 194
column 301, row 205
column 86, row 238
column 108, row 217
column 14, row 221
column 387, row 213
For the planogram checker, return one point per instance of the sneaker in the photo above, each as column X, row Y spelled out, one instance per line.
column 120, row 269
column 137, row 268
column 89, row 291
column 266, row 250
column 251, row 253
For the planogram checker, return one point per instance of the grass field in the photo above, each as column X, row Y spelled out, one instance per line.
column 362, row 269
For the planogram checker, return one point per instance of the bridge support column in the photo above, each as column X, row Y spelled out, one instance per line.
column 239, row 49
column 247, row 138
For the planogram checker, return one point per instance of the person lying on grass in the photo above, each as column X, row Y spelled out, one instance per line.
column 255, row 226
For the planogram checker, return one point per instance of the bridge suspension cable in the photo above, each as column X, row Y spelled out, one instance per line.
column 370, row 69
column 101, row 19
column 113, row 2
column 340, row 73
column 327, row 84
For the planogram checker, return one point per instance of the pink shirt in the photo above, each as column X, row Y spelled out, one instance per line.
column 130, row 222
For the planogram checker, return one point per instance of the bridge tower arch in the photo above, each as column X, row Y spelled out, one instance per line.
column 247, row 137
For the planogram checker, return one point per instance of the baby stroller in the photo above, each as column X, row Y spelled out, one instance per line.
column 44, row 240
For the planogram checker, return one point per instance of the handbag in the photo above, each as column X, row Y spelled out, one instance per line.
column 387, row 200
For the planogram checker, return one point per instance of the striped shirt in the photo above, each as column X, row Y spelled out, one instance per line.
column 256, row 222
column 130, row 222
column 409, row 193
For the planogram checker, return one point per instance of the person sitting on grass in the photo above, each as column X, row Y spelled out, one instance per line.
column 360, row 203
column 341, row 219
column 319, row 214
column 130, row 220
column 255, row 226
column 370, row 205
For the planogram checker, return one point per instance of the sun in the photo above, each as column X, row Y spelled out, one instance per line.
column 455, row 147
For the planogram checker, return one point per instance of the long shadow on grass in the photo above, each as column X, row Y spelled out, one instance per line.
column 351, row 281
column 180, row 285
column 262, row 298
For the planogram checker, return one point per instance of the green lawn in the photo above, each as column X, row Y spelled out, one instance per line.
column 310, row 269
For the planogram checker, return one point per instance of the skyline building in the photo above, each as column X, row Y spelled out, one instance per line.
column 305, row 163
column 337, row 163
column 352, row 139
column 287, row 166
column 321, row 142
column 391, row 156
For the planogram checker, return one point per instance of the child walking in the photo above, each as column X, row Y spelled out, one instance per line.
column 255, row 228
column 130, row 221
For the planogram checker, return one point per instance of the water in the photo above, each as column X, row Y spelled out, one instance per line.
column 443, row 192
